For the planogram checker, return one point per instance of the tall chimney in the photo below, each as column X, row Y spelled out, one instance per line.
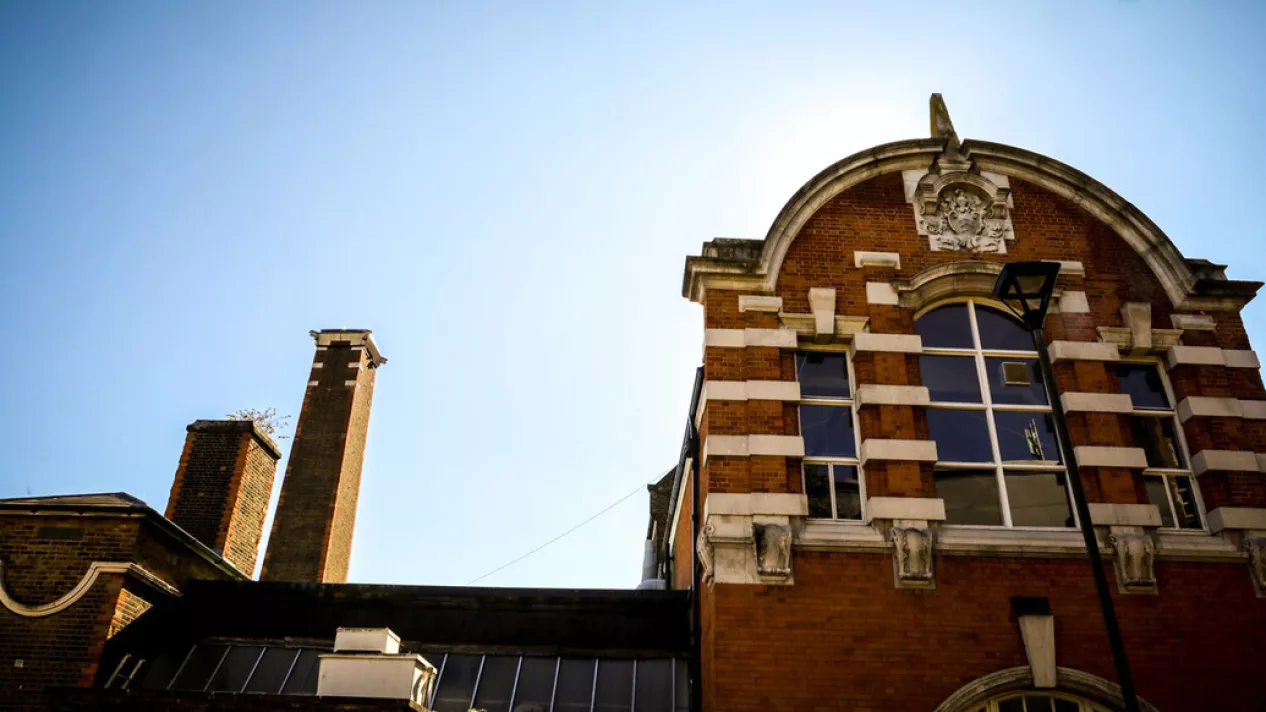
column 311, row 538
column 220, row 494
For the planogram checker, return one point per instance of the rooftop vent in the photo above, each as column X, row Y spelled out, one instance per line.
column 367, row 662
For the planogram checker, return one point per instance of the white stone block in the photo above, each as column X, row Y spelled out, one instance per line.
column 1224, row 460
column 759, row 302
column 724, row 338
column 1239, row 518
column 1207, row 407
column 1072, row 268
column 395, row 677
column 366, row 640
column 756, row 503
column 773, row 390
column 1126, row 515
column 780, row 338
column 1194, row 356
column 1101, row 456
column 892, row 343
column 1074, row 303
column 881, row 293
column 1097, row 402
column 777, row 445
column 822, row 304
column 918, row 450
column 1084, row 351
column 928, row 509
column 877, row 259
column 1038, row 634
column 1240, row 358
column 877, row 394
column 1192, row 322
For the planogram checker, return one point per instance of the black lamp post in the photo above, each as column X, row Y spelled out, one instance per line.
column 1026, row 288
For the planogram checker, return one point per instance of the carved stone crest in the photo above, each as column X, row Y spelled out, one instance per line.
column 773, row 549
column 961, row 211
column 1135, row 555
column 912, row 557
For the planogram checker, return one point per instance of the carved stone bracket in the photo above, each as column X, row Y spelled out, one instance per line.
column 703, row 546
column 1134, row 562
column 773, row 549
column 1255, row 546
column 912, row 556
column 961, row 211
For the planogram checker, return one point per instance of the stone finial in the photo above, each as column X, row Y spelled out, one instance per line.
column 942, row 125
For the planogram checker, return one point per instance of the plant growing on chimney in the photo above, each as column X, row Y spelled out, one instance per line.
column 267, row 420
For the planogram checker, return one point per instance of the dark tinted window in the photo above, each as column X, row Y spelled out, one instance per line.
column 1143, row 383
column 237, row 666
column 999, row 332
column 950, row 378
column 496, row 683
column 827, row 431
column 160, row 672
column 681, row 686
column 536, row 683
column 1185, row 502
column 1038, row 499
column 575, row 686
column 1025, row 387
column 946, row 328
column 303, row 677
column 1156, row 494
column 197, row 670
column 614, row 691
column 654, row 686
column 457, row 684
column 848, row 495
column 272, row 670
column 822, row 375
column 971, row 496
column 1159, row 439
column 1026, row 437
column 817, row 487
column 960, row 435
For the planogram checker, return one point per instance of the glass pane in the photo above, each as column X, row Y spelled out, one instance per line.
column 848, row 492
column 575, row 686
column 236, row 667
column 945, row 328
column 303, row 677
column 960, row 435
column 614, row 692
column 1034, row 703
column 1156, row 494
column 1026, row 437
column 1066, row 706
column 817, row 486
column 1143, row 382
column 1038, row 499
column 160, row 672
column 457, row 683
column 824, row 375
column 1159, row 439
column 272, row 670
column 198, row 669
column 950, row 379
column 536, row 683
column 681, row 686
column 1015, row 704
column 654, row 686
column 1185, row 502
column 496, row 683
column 1001, row 332
column 971, row 496
column 1015, row 381
column 827, row 431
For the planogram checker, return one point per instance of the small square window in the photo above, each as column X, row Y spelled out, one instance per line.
column 1143, row 384
column 822, row 375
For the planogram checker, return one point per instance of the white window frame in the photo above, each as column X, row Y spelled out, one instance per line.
column 851, row 403
column 987, row 405
column 1185, row 452
column 1083, row 705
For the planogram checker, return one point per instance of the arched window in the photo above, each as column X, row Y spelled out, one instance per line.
column 999, row 461
column 1040, row 702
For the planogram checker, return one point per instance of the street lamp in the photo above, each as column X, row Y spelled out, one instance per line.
column 1026, row 288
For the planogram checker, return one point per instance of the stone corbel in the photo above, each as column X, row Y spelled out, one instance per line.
column 1138, row 337
column 747, row 538
column 773, row 549
column 1134, row 560
column 912, row 542
column 1247, row 527
column 822, row 304
column 703, row 547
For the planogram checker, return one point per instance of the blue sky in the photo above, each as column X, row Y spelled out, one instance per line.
column 505, row 194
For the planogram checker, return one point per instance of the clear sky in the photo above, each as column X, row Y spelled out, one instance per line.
column 505, row 194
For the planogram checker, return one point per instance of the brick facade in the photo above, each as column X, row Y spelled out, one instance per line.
column 311, row 538
column 221, row 490
column 841, row 629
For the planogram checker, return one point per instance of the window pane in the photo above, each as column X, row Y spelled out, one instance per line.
column 1159, row 439
column 946, row 328
column 197, row 671
column 575, row 686
column 1015, row 381
column 303, row 676
column 960, row 435
column 160, row 672
column 1066, row 706
column 1143, row 382
column 614, row 692
column 1185, row 502
column 681, row 686
column 1156, row 494
column 457, row 683
column 1015, row 704
column 1001, row 332
column 1038, row 499
column 496, row 683
column 654, row 686
column 272, row 670
column 827, row 431
column 848, row 492
column 1026, row 437
column 817, row 486
column 236, row 667
column 536, row 682
column 971, row 496
column 950, row 378
column 1034, row 703
column 822, row 374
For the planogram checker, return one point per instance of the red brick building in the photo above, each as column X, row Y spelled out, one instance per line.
column 871, row 504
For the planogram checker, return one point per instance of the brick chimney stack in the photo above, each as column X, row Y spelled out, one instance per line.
column 311, row 538
column 220, row 494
